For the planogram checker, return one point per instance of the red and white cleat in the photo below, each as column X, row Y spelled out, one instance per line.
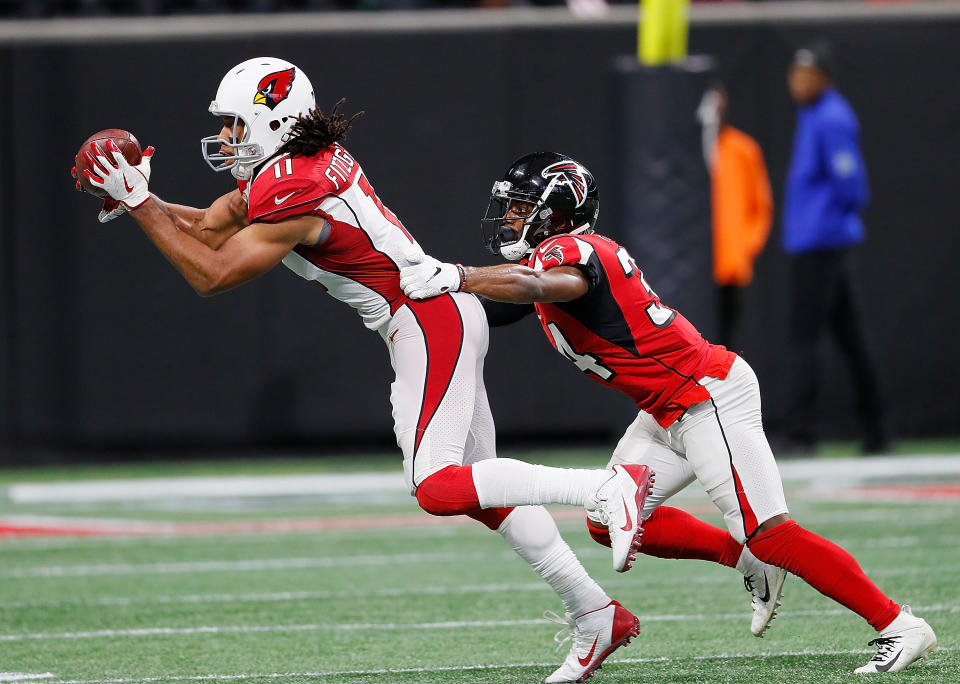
column 618, row 505
column 595, row 635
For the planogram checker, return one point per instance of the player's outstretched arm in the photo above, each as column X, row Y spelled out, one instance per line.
column 245, row 255
column 510, row 283
column 522, row 285
column 213, row 225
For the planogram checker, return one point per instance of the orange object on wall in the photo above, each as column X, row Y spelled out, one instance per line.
column 742, row 206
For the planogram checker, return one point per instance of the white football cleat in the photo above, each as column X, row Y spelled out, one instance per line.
column 902, row 643
column 618, row 503
column 765, row 583
column 595, row 635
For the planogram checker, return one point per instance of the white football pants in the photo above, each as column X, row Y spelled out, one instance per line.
column 719, row 442
column 440, row 410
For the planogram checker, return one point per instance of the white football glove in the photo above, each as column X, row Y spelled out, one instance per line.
column 430, row 278
column 124, row 183
column 111, row 208
column 413, row 253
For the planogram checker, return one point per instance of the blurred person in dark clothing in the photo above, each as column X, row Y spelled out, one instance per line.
column 741, row 203
column 826, row 189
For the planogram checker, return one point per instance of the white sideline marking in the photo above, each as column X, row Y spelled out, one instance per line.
column 254, row 629
column 24, row 676
column 206, row 487
column 245, row 565
column 469, row 668
column 373, row 626
column 817, row 473
column 841, row 472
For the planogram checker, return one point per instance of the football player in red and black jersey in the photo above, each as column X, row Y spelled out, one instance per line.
column 302, row 199
column 699, row 403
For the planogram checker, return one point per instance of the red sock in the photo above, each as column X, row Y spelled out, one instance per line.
column 672, row 533
column 825, row 567
column 599, row 532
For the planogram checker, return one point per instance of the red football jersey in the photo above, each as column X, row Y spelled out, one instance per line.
column 620, row 334
column 358, row 261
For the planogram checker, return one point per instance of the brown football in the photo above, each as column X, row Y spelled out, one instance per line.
column 125, row 140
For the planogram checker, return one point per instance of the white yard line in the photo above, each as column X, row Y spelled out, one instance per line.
column 467, row 668
column 391, row 592
column 819, row 474
column 391, row 626
column 257, row 629
column 372, row 560
column 24, row 676
column 284, row 596
column 328, row 595
column 252, row 565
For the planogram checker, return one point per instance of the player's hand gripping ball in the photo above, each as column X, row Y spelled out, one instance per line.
column 89, row 173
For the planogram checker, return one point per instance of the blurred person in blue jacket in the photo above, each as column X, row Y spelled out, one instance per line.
column 826, row 189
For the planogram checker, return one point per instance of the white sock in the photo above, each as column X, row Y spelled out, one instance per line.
column 532, row 533
column 505, row 482
column 747, row 561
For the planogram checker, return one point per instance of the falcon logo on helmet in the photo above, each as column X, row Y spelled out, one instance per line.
column 570, row 174
column 274, row 88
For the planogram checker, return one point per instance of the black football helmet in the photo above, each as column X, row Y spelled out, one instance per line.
column 560, row 196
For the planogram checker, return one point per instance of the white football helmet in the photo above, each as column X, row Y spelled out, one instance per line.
column 266, row 95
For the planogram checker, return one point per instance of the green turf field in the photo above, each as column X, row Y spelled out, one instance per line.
column 424, row 603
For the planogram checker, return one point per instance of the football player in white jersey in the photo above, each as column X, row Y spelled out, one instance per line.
column 302, row 199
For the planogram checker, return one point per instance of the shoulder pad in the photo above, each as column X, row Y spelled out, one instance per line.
column 561, row 250
column 284, row 188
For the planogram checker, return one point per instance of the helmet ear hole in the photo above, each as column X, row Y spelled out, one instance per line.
column 274, row 125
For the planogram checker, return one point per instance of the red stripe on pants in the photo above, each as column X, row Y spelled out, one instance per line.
column 749, row 517
column 442, row 327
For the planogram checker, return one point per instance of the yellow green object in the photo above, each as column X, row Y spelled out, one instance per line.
column 662, row 31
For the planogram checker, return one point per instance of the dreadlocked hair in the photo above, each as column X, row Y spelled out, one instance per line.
column 316, row 131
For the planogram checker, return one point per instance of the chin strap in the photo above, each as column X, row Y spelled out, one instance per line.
column 519, row 249
column 241, row 171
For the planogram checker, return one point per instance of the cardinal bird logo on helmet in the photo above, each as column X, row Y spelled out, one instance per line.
column 571, row 175
column 274, row 88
